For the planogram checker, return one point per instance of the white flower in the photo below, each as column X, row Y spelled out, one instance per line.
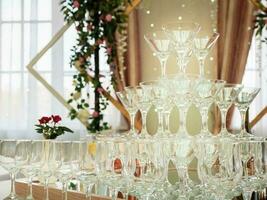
column 77, row 95
column 83, row 115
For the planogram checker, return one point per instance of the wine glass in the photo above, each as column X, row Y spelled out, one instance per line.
column 202, row 46
column 160, row 45
column 220, row 165
column 182, row 36
column 31, row 168
column 64, row 170
column 242, row 101
column 224, row 100
column 205, row 92
column 251, row 151
column 50, row 163
column 144, row 103
column 183, row 98
column 8, row 162
column 128, row 98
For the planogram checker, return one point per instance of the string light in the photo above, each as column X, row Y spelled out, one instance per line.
column 151, row 25
column 180, row 17
column 148, row 12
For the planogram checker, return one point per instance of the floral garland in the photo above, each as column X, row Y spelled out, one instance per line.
column 96, row 24
column 261, row 18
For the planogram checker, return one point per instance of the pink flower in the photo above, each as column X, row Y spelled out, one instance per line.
column 109, row 50
column 81, row 59
column 76, row 4
column 108, row 17
column 44, row 120
column 90, row 27
column 99, row 41
column 95, row 114
column 100, row 90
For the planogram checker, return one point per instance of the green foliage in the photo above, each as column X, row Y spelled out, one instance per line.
column 260, row 23
column 96, row 23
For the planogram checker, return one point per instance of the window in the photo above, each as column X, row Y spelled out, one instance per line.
column 25, row 27
column 256, row 76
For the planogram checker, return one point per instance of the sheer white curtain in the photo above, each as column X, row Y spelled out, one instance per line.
column 25, row 27
column 256, row 76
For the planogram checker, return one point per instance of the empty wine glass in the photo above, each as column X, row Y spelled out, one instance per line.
column 251, row 150
column 220, row 165
column 205, row 92
column 224, row 100
column 31, row 168
column 129, row 100
column 182, row 36
column 64, row 170
column 50, row 163
column 242, row 101
column 202, row 46
column 144, row 103
column 160, row 45
column 8, row 162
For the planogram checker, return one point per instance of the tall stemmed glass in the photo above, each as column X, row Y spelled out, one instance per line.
column 181, row 155
column 182, row 36
column 31, row 168
column 225, row 99
column 221, row 168
column 158, row 94
column 205, row 92
column 129, row 99
column 242, row 101
column 50, row 163
column 8, row 162
column 144, row 103
column 251, row 149
column 183, row 95
column 202, row 46
column 160, row 45
column 64, row 171
column 84, row 164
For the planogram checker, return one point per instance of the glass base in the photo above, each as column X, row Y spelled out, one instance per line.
column 13, row 197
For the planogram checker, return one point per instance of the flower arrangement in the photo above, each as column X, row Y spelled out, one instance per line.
column 261, row 17
column 49, row 127
column 97, row 23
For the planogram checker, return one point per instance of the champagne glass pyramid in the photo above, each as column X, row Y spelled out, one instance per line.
column 225, row 98
column 160, row 45
column 182, row 36
column 242, row 101
column 202, row 47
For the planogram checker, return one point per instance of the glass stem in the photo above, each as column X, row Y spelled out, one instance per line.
column 247, row 195
column 167, row 121
column 115, row 194
column 30, row 187
column 223, row 120
column 12, row 190
column 46, row 182
column 88, row 194
column 132, row 116
column 243, row 120
column 65, row 191
column 160, row 127
column 182, row 112
column 144, row 115
column 204, row 116
column 201, row 67
column 163, row 62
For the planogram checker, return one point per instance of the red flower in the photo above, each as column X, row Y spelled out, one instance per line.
column 76, row 4
column 95, row 114
column 44, row 120
column 108, row 17
column 56, row 118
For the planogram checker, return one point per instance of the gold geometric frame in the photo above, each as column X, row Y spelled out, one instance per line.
column 52, row 90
